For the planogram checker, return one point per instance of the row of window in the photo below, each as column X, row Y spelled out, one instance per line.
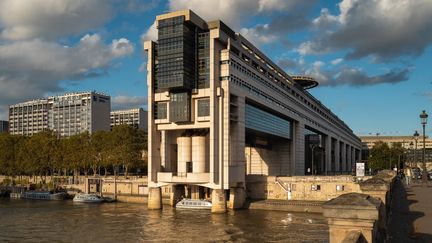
column 286, row 88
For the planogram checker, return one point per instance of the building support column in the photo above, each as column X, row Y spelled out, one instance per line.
column 298, row 148
column 237, row 198
column 176, row 194
column 343, row 156
column 327, row 159
column 195, row 193
column 219, row 203
column 155, row 198
column 337, row 156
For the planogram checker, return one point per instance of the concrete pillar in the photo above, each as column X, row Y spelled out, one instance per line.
column 328, row 145
column 176, row 194
column 195, row 193
column 348, row 157
column 218, row 201
column 237, row 198
column 298, row 148
column 353, row 213
column 184, row 153
column 343, row 156
column 337, row 156
column 154, row 198
column 198, row 154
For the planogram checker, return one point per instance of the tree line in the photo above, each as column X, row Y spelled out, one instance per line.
column 43, row 154
column 382, row 156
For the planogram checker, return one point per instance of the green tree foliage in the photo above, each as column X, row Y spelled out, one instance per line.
column 44, row 154
column 384, row 157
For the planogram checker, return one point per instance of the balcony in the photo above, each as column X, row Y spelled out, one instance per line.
column 186, row 178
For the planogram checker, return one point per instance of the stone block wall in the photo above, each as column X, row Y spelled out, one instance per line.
column 307, row 188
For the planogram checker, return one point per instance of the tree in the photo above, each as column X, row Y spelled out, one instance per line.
column 128, row 143
column 384, row 157
column 100, row 150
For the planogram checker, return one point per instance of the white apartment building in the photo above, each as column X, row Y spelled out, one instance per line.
column 66, row 115
column 136, row 117
column 28, row 118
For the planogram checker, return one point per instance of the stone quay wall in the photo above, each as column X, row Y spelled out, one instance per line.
column 301, row 188
column 362, row 217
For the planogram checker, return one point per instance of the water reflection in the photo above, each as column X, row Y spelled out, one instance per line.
column 64, row 221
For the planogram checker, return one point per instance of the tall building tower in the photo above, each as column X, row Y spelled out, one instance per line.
column 134, row 117
column 74, row 113
column 222, row 114
column 65, row 115
column 29, row 117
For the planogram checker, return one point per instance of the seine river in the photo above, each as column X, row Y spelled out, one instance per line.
column 64, row 221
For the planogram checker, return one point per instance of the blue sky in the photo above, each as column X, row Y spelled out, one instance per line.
column 372, row 58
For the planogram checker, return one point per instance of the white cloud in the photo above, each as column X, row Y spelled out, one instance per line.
column 254, row 35
column 337, row 61
column 150, row 34
column 127, row 102
column 235, row 13
column 49, row 19
column 31, row 68
column 384, row 29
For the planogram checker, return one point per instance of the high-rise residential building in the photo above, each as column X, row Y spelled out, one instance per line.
column 66, row 115
column 75, row 113
column 4, row 126
column 135, row 117
column 221, row 112
column 28, row 118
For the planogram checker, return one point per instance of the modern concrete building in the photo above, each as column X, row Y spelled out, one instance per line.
column 220, row 111
column 135, row 117
column 66, row 115
column 407, row 142
column 29, row 117
column 4, row 126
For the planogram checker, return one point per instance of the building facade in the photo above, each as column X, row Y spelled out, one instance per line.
column 135, row 117
column 407, row 142
column 29, row 117
column 65, row 115
column 221, row 111
column 4, row 126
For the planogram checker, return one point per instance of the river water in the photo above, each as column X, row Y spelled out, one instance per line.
column 24, row 220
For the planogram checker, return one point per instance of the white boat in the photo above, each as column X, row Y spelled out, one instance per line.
column 43, row 195
column 194, row 204
column 87, row 198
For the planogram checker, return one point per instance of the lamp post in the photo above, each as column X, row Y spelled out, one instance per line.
column 416, row 135
column 423, row 119
column 411, row 146
column 313, row 146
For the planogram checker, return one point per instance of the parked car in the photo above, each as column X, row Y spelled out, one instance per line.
column 430, row 175
column 416, row 173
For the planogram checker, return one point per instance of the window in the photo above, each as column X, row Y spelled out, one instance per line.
column 203, row 107
column 160, row 111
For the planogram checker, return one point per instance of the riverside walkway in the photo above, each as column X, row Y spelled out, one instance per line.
column 411, row 218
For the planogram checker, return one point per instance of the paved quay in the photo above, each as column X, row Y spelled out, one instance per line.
column 411, row 218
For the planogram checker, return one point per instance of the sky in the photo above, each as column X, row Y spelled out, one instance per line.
column 372, row 58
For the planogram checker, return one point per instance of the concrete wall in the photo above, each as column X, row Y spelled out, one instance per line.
column 318, row 188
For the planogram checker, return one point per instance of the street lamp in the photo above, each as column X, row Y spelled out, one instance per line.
column 423, row 119
column 411, row 147
column 313, row 147
column 416, row 135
